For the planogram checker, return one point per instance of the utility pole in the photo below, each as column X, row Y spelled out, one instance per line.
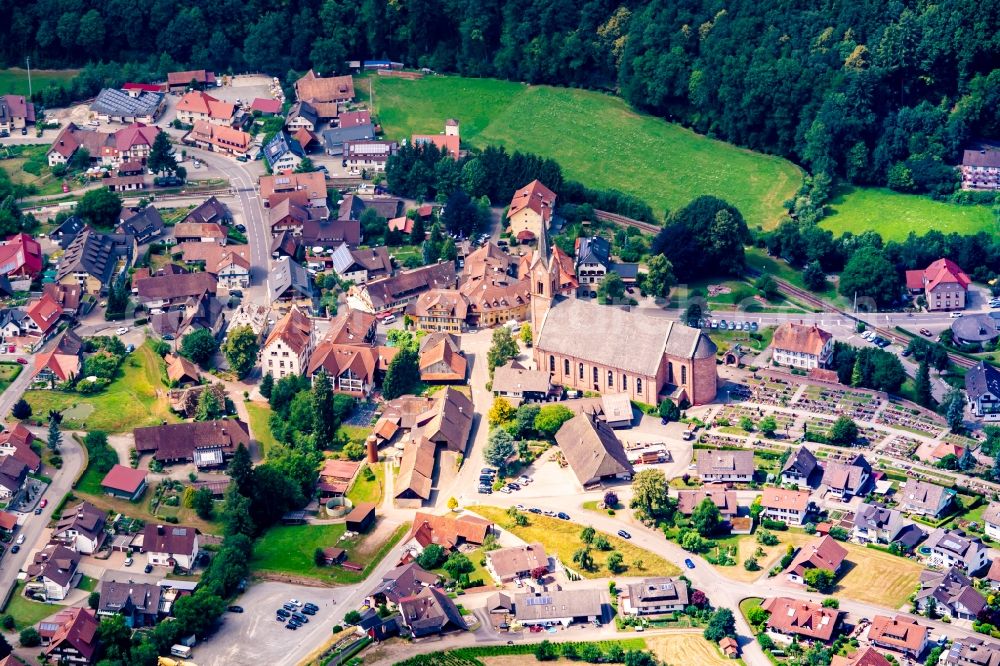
column 28, row 61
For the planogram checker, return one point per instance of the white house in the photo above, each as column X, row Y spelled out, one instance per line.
column 288, row 348
column 717, row 466
column 654, row 596
column 787, row 506
column 924, row 499
column 952, row 548
column 982, row 385
column 991, row 518
column 170, row 546
column 53, row 571
column 81, row 528
column 802, row 469
column 801, row 346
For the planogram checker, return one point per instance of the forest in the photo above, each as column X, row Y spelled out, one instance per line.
column 869, row 91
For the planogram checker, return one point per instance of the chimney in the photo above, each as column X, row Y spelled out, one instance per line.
column 159, row 530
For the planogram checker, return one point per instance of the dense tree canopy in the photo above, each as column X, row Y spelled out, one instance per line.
column 703, row 238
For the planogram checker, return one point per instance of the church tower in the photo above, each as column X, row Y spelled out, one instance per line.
column 544, row 276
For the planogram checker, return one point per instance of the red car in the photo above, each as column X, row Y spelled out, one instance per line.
column 44, row 503
column 22, row 361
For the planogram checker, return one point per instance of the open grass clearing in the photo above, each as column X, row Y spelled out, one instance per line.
column 26, row 612
column 138, row 397
column 290, row 549
column 14, row 80
column 8, row 373
column 687, row 647
column 895, row 215
column 365, row 490
column 877, row 577
column 596, row 138
column 747, row 546
column 562, row 538
column 260, row 426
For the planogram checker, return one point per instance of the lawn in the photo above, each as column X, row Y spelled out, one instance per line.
column 562, row 538
column 8, row 373
column 260, row 428
column 136, row 398
column 364, row 490
column 596, row 138
column 877, row 577
column 26, row 612
column 289, row 549
column 895, row 215
column 759, row 259
column 14, row 81
column 747, row 545
column 687, row 648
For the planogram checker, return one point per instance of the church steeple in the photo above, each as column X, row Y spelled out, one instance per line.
column 544, row 276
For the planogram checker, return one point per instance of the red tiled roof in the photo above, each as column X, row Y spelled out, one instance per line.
column 945, row 270
column 135, row 134
column 799, row 338
column 124, row 479
column 45, row 312
column 265, row 105
column 203, row 103
column 535, row 196
column 143, row 87
column 20, row 254
column 795, row 616
column 899, row 632
column 197, row 75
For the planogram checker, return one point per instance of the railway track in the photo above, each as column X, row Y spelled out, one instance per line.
column 615, row 218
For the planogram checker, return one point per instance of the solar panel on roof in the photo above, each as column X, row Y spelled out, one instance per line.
column 539, row 601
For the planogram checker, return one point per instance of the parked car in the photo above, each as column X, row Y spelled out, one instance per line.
column 148, row 568
column 506, row 491
column 38, row 511
column 235, row 609
column 564, row 516
column 15, row 548
column 128, row 561
column 956, row 315
column 488, row 471
column 623, row 534
column 291, row 625
column 310, row 606
column 753, row 326
column 20, row 539
column 240, row 228
column 121, row 330
column 283, row 613
column 535, row 509
column 924, row 332
column 168, row 337
column 688, row 563
column 22, row 361
column 309, row 611
column 514, row 486
column 44, row 503
column 288, row 607
column 485, row 490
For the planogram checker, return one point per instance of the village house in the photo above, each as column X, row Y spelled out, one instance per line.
column 70, row 637
column 865, row 657
column 403, row 581
column 336, row 138
column 336, row 476
column 593, row 451
column 205, row 443
column 516, row 562
column 211, row 210
column 593, row 263
column 717, row 466
column 530, row 211
column 195, row 79
column 233, row 270
column 845, row 480
column 300, row 116
column 42, row 317
column 199, row 106
column 293, row 214
column 441, row 310
column 13, row 473
column 943, row 284
column 416, row 472
column 802, row 469
column 290, row 284
column 881, row 525
column 170, row 545
column 218, row 138
column 396, row 292
column 972, row 651
column 283, row 153
column 289, row 346
column 981, row 168
column 16, row 113
column 924, row 499
column 797, row 618
column 952, row 548
column 787, row 506
column 517, row 384
column 311, row 186
column 353, row 369
column 724, row 500
column 801, row 346
column 124, row 482
column 20, row 257
column 991, row 521
column 441, row 358
column 822, row 553
column 145, row 225
column 361, row 265
column 159, row 293
column 899, row 634
column 982, row 386
column 368, row 154
column 53, row 572
column 430, row 611
column 138, row 603
column 117, row 106
column 491, row 285
column 93, row 261
column 447, row 143
column 560, row 607
column 325, row 94
column 953, row 593
column 15, row 442
column 81, row 528
column 654, row 596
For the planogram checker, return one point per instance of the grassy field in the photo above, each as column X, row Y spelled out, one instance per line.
column 137, row 398
column 26, row 612
column 364, row 490
column 8, row 373
column 289, row 549
column 596, row 138
column 877, row 577
column 14, row 81
column 687, row 648
column 260, row 415
column 562, row 539
column 747, row 545
column 895, row 215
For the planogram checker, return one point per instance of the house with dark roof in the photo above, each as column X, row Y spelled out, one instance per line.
column 94, row 260
column 335, row 138
column 13, row 473
column 565, row 607
column 52, row 573
column 797, row 618
column 210, row 211
column 70, row 636
column 81, row 528
column 953, row 594
column 822, row 553
column 943, row 284
column 517, row 384
column 205, row 443
column 367, row 155
column 972, row 651
column 802, row 469
column 845, row 480
column 283, row 153
column 593, row 262
column 16, row 113
column 924, row 499
column 67, row 231
column 718, row 466
column 145, row 225
column 117, row 106
column 516, row 562
column 170, row 545
column 159, row 293
column 124, row 482
column 290, row 281
column 138, row 603
column 654, row 596
column 593, row 450
column 882, row 525
column 953, row 548
column 302, row 115
column 982, row 386
column 430, row 611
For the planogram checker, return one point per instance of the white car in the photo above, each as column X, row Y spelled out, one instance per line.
column 128, row 561
column 955, row 315
column 295, row 602
column 122, row 330
column 20, row 539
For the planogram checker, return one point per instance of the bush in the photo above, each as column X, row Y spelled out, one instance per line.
column 30, row 638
